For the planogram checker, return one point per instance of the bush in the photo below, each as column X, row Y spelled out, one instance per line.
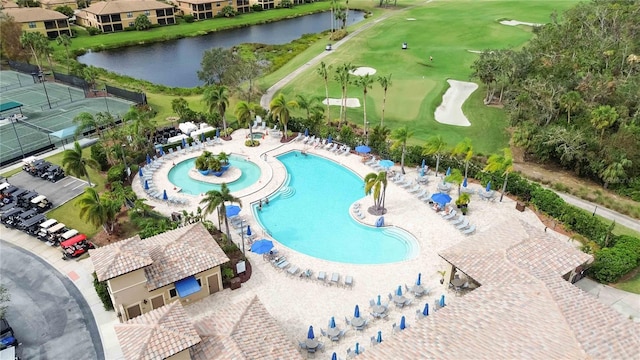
column 252, row 143
column 630, row 243
column 94, row 31
column 188, row 18
column 612, row 263
column 256, row 8
column 103, row 292
column 99, row 154
column 116, row 173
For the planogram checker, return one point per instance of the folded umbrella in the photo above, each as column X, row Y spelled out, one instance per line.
column 164, row 195
column 488, row 188
column 425, row 311
column 332, row 322
column 419, row 278
column 442, row 304
column 310, row 334
column 464, row 182
column 146, row 184
column 356, row 312
column 399, row 291
column 379, row 303
column 248, row 230
column 403, row 323
column 140, row 172
column 379, row 338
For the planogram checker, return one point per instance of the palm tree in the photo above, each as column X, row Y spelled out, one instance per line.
column 401, row 136
column 365, row 83
column 35, row 41
column 99, row 210
column 385, row 82
column 84, row 121
column 308, row 104
column 603, row 117
column 217, row 99
column 244, row 114
column 65, row 40
column 465, row 148
column 455, row 178
column 323, row 71
column 615, row 172
column 214, row 199
column 343, row 76
column 281, row 108
column 571, row 101
column 376, row 184
column 435, row 145
column 74, row 163
column 501, row 163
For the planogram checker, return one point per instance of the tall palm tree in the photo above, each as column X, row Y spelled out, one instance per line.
column 308, row 104
column 385, row 82
column 615, row 171
column 323, row 71
column 244, row 113
column 217, row 99
column 501, row 163
column 465, row 148
column 74, row 163
column 401, row 136
column 376, row 184
column 99, row 210
column 455, row 178
column 343, row 77
column 281, row 108
column 365, row 83
column 65, row 40
column 215, row 200
column 435, row 145
column 85, row 120
column 571, row 101
column 36, row 42
column 603, row 117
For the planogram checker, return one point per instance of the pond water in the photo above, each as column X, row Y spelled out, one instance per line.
column 175, row 62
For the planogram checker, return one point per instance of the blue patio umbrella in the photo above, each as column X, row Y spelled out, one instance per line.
column 425, row 311
column 356, row 312
column 385, row 164
column 248, row 230
column 261, row 246
column 379, row 303
column 202, row 137
column 488, row 186
column 399, row 291
column 329, row 140
column 217, row 132
column 357, row 348
column 442, row 304
column 184, row 143
column 140, row 172
column 334, row 356
column 464, row 182
column 363, row 149
column 306, row 132
column 423, row 164
column 332, row 322
column 448, row 172
column 421, row 171
column 146, row 184
column 148, row 159
column 403, row 323
column 379, row 338
column 161, row 152
column 441, row 198
column 232, row 210
column 419, row 279
column 310, row 334
column 164, row 195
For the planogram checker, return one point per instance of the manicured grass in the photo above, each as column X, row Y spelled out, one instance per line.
column 632, row 285
column 11, row 172
column 444, row 30
column 162, row 104
column 619, row 229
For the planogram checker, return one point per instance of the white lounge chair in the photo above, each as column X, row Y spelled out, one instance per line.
column 264, row 125
column 469, row 230
column 347, row 151
column 414, row 189
column 300, row 136
column 464, row 225
column 408, row 184
column 459, row 220
column 451, row 214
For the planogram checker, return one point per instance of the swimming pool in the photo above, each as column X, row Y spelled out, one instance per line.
column 179, row 176
column 311, row 214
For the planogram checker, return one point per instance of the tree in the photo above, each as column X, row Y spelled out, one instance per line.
column 502, row 163
column 343, row 77
column 90, row 75
column 435, row 145
column 99, row 210
column 323, row 71
column 245, row 71
column 281, row 108
column 65, row 9
column 86, row 121
column 35, row 41
column 179, row 106
column 401, row 136
column 217, row 99
column 65, row 40
column 142, row 22
column 244, row 113
column 75, row 163
column 216, row 65
column 308, row 104
column 385, row 82
column 287, row 4
column 214, row 199
column 616, row 171
column 464, row 148
column 603, row 117
column 5, row 297
column 571, row 101
column 455, row 178
column 10, row 44
column 376, row 184
column 365, row 83
column 228, row 11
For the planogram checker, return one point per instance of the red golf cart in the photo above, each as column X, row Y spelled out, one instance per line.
column 75, row 247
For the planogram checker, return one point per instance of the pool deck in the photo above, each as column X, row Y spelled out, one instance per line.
column 297, row 303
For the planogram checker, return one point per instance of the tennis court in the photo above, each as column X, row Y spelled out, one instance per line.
column 12, row 79
column 31, row 134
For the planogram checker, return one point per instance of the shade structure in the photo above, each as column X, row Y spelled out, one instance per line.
column 464, row 182
column 261, row 246
column 148, row 159
column 140, row 172
column 425, row 311
column 217, row 132
column 306, row 132
column 146, row 184
column 310, row 334
column 164, row 195
column 332, row 322
column 329, row 140
column 184, row 143
column 403, row 323
column 442, row 303
column 187, row 286
column 357, row 348
column 441, row 198
column 448, row 172
column 488, row 188
column 379, row 302
column 424, row 163
column 385, row 164
column 419, row 279
column 232, row 210
column 356, row 312
column 248, row 230
column 334, row 356
column 363, row 149
column 379, row 337
column 399, row 291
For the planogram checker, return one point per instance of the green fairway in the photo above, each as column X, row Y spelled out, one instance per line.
column 445, row 30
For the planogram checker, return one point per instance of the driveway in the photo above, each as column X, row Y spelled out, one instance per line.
column 49, row 316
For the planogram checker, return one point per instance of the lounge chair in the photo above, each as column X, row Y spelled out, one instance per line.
column 348, row 281
column 347, row 151
column 470, row 230
column 292, row 270
column 283, row 265
column 372, row 303
column 414, row 189
column 421, row 193
column 264, row 125
column 322, row 276
column 464, row 225
column 335, row 278
column 322, row 143
column 459, row 220
column 408, row 184
column 451, row 214
column 371, row 161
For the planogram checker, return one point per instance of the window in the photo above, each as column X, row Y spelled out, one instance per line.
column 32, row 25
column 147, row 13
column 173, row 293
column 218, row 4
column 129, row 14
column 131, row 24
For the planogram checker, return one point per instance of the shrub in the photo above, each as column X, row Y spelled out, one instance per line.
column 188, row 18
column 252, row 143
column 103, row 292
column 227, row 272
column 116, row 173
column 256, row 8
column 93, row 31
column 629, row 243
column 99, row 155
column 611, row 263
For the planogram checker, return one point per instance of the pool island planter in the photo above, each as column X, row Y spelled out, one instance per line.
column 204, row 172
column 221, row 172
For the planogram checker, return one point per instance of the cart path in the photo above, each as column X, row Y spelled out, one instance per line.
column 265, row 100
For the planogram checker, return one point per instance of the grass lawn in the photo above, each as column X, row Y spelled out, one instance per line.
column 444, row 30
column 631, row 285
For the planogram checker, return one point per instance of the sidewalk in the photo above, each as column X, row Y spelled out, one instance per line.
column 626, row 303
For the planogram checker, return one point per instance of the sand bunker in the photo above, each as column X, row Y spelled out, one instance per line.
column 351, row 102
column 516, row 23
column 411, row 19
column 450, row 111
column 362, row 71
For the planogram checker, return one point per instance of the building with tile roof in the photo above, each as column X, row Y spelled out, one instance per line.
column 52, row 4
column 145, row 274
column 524, row 307
column 112, row 16
column 8, row 4
column 47, row 22
column 208, row 9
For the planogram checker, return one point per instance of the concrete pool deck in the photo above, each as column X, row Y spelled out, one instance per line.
column 297, row 303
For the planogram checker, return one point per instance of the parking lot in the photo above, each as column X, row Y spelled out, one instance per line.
column 58, row 193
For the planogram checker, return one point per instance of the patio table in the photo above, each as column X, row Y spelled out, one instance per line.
column 418, row 290
column 379, row 309
column 457, row 282
column 399, row 300
column 311, row 344
column 357, row 322
column 333, row 332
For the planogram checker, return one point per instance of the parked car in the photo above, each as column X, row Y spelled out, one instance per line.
column 8, row 341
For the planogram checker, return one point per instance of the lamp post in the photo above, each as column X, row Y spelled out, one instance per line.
column 106, row 103
column 242, row 235
column 45, row 88
column 17, row 136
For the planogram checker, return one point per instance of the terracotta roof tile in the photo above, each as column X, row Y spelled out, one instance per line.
column 23, row 15
column 120, row 258
column 120, row 6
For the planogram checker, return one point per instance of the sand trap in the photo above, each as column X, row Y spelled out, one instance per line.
column 411, row 19
column 476, row 51
column 516, row 23
column 362, row 71
column 450, row 111
column 351, row 102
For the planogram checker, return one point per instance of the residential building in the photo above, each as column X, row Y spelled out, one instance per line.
column 47, row 22
column 8, row 4
column 207, row 9
column 143, row 275
column 52, row 4
column 112, row 16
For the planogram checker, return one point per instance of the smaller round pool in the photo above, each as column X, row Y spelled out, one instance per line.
column 179, row 176
column 258, row 135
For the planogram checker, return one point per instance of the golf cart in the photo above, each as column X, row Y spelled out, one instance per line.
column 41, row 203
column 75, row 247
column 52, row 234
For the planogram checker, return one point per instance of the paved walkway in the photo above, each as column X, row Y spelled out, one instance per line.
column 626, row 303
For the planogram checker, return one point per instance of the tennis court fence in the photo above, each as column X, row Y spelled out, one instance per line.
column 139, row 98
column 24, row 67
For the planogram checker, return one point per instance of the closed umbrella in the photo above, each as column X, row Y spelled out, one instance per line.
column 379, row 303
column 329, row 140
column 442, row 304
column 464, row 182
column 357, row 348
column 379, row 338
column 421, row 171
column 201, row 137
column 164, row 195
column 419, row 278
column 184, row 143
column 425, row 311
column 356, row 312
column 306, row 132
column 140, row 172
column 448, row 172
column 148, row 159
column 332, row 322
column 334, row 356
column 161, row 152
column 217, row 132
column 488, row 186
column 399, row 291
column 403, row 323
column 146, row 184
column 423, row 164
column 232, row 210
column 248, row 230
column 310, row 334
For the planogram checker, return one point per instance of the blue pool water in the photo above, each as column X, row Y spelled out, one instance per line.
column 179, row 176
column 311, row 215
